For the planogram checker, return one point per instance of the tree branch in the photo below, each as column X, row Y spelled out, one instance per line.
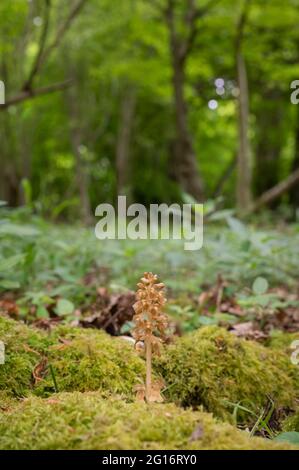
column 276, row 191
column 29, row 94
column 241, row 26
column 63, row 29
column 42, row 56
column 224, row 177
column 192, row 17
column 43, row 38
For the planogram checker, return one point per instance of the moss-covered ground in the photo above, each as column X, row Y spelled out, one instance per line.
column 292, row 422
column 87, row 421
column 213, row 368
column 207, row 371
column 67, row 359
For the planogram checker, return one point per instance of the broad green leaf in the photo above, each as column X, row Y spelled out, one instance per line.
column 42, row 312
column 237, row 226
column 7, row 284
column 18, row 230
column 260, row 286
column 203, row 320
column 64, row 307
column 8, row 263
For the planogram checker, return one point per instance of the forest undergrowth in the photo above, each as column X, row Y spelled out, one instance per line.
column 233, row 308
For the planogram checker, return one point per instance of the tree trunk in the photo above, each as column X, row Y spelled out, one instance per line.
column 124, row 140
column 76, row 122
column 81, row 175
column 269, row 135
column 243, row 162
column 184, row 165
column 10, row 181
column 243, row 190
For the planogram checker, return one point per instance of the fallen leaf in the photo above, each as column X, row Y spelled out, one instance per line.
column 110, row 313
column 247, row 330
column 40, row 370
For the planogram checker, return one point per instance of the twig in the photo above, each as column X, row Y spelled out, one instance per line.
column 29, row 94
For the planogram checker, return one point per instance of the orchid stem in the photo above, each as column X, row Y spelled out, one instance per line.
column 148, row 382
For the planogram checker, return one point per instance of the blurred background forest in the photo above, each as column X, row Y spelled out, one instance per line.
column 155, row 99
column 162, row 101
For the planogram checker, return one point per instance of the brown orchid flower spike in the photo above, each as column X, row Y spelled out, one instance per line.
column 150, row 328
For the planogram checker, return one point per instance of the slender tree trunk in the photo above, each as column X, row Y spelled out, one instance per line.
column 123, row 141
column 225, row 177
column 270, row 120
column 184, row 162
column 76, row 130
column 25, row 152
column 81, row 175
column 243, row 162
column 9, row 183
column 244, row 171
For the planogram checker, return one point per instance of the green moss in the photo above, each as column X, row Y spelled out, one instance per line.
column 6, row 401
column 213, row 368
column 292, row 423
column 209, row 367
column 281, row 340
column 86, row 421
column 87, row 360
column 23, row 348
column 77, row 360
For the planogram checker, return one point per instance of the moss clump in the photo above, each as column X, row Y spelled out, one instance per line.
column 213, row 368
column 281, row 340
column 87, row 360
column 69, row 359
column 292, row 423
column 86, row 421
column 23, row 348
column 6, row 401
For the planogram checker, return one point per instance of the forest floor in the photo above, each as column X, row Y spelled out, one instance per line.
column 234, row 314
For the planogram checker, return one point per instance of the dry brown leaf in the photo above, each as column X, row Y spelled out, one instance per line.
column 39, row 370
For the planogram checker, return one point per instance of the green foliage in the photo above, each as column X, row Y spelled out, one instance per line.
column 260, row 286
column 31, row 257
column 112, row 47
column 86, row 421
column 282, row 340
column 213, row 368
